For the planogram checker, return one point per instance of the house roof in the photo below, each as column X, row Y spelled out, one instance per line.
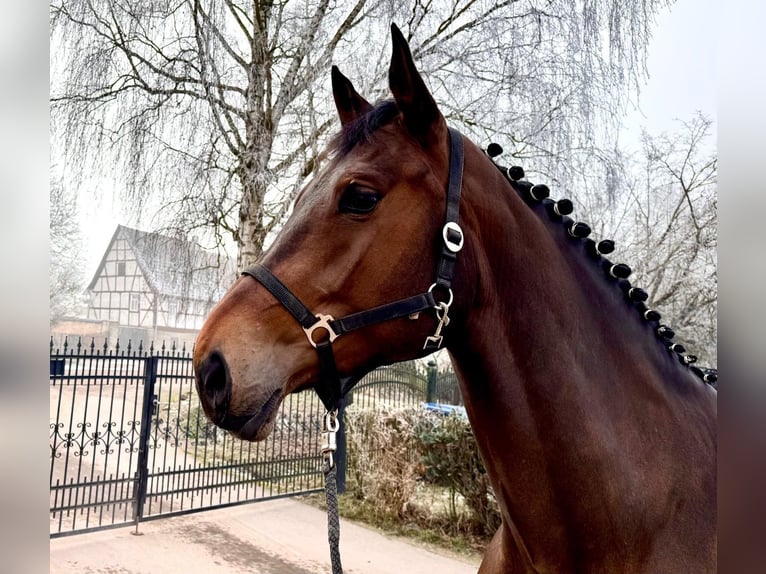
column 174, row 266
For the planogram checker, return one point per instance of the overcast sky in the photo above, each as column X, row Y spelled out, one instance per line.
column 682, row 70
column 681, row 65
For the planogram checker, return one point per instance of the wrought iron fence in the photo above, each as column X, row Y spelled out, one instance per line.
column 129, row 441
column 407, row 384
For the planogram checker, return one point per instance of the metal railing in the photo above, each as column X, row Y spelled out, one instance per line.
column 129, row 441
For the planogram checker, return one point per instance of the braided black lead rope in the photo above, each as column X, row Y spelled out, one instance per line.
column 333, row 523
column 330, row 427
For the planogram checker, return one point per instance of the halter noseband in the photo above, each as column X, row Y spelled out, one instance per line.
column 331, row 388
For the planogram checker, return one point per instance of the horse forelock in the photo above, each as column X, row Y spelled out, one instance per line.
column 361, row 129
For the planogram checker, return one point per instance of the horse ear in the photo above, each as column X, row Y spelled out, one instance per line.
column 421, row 116
column 349, row 103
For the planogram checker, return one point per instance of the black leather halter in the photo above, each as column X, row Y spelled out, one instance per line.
column 331, row 388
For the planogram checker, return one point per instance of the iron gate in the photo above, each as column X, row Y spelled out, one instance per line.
column 129, row 442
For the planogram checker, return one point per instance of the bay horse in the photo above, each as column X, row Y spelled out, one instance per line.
column 598, row 435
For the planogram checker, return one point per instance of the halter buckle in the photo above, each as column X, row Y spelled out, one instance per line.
column 322, row 323
column 451, row 244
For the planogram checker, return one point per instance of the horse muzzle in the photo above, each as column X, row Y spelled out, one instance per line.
column 253, row 422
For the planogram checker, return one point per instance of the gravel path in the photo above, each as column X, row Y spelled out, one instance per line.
column 282, row 536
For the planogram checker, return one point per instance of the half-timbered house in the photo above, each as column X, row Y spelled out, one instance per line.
column 155, row 287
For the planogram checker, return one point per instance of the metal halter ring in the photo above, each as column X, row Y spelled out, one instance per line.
column 322, row 323
column 449, row 291
column 451, row 245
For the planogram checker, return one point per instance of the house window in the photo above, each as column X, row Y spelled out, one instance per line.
column 134, row 301
column 121, row 268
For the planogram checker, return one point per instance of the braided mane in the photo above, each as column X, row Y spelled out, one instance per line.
column 559, row 211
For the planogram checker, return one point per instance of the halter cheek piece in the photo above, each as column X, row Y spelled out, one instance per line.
column 330, row 387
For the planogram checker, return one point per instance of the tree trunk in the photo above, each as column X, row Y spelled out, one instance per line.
column 252, row 232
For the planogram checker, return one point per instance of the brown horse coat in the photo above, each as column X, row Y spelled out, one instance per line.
column 600, row 444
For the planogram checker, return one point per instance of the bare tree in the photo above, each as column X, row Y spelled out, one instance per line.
column 66, row 282
column 675, row 232
column 216, row 110
column 661, row 208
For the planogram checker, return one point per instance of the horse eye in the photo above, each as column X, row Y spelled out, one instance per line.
column 358, row 200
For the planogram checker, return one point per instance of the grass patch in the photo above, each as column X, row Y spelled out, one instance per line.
column 415, row 523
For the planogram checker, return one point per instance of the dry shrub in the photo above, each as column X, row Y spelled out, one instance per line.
column 382, row 458
column 424, row 467
column 451, row 459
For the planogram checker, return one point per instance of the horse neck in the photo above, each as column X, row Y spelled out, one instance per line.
column 561, row 381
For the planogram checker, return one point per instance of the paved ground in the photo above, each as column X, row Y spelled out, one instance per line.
column 275, row 537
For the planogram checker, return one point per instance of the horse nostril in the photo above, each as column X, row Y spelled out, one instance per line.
column 213, row 381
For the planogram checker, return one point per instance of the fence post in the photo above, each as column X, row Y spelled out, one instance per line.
column 142, row 472
column 340, row 452
column 430, row 381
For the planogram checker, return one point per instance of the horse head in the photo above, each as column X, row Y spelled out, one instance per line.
column 365, row 231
